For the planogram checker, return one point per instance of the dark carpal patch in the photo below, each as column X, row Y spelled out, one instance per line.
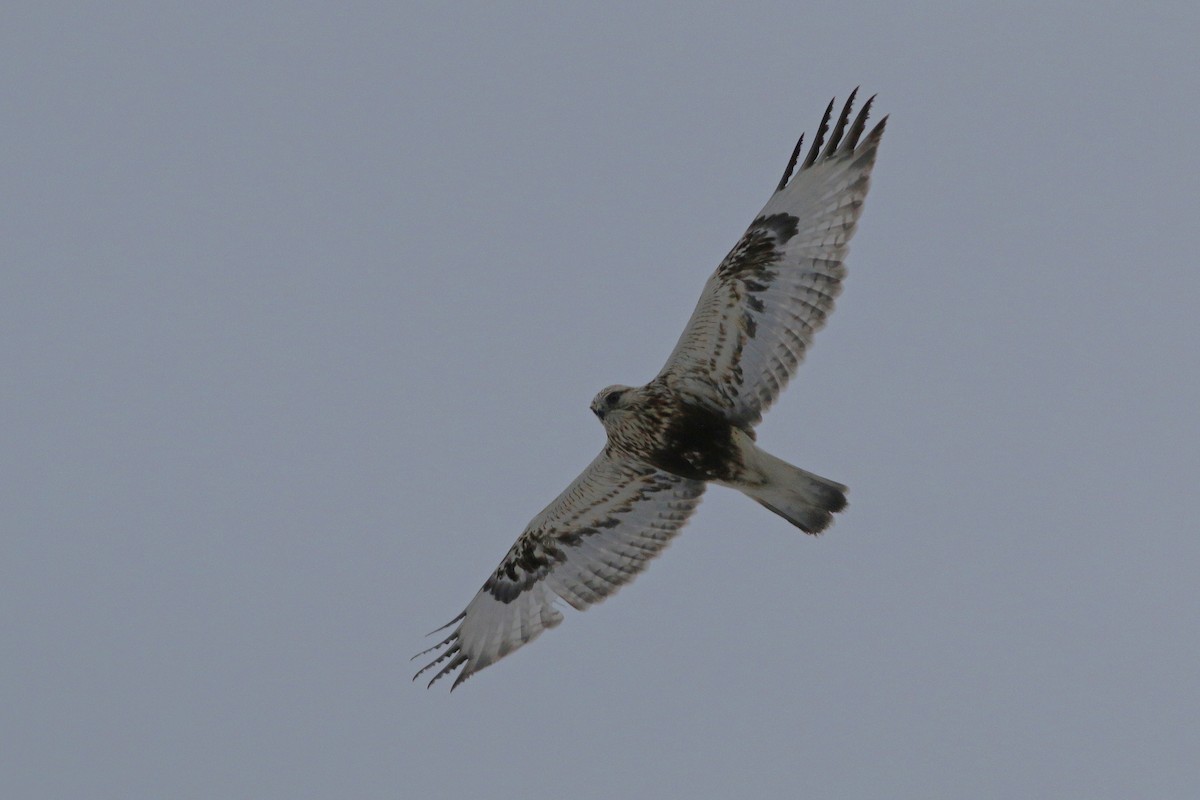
column 784, row 226
column 750, row 269
column 758, row 248
column 534, row 555
column 527, row 562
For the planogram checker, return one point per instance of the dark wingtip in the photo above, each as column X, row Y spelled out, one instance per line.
column 452, row 652
column 441, row 628
column 877, row 131
column 787, row 173
column 843, row 138
column 815, row 150
column 457, row 659
column 843, row 119
column 860, row 123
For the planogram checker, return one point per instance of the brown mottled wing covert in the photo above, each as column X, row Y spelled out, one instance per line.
column 759, row 310
column 594, row 538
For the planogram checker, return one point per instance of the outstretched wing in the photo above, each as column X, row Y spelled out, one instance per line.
column 760, row 309
column 595, row 537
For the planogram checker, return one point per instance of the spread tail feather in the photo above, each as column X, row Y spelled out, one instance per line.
column 806, row 500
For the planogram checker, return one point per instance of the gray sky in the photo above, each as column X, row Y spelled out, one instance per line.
column 301, row 309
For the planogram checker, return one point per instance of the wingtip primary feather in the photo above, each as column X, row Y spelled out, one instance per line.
column 839, row 128
column 860, row 123
column 453, row 652
column 877, row 132
column 844, row 136
column 462, row 615
column 819, row 139
column 456, row 662
column 867, row 151
column 787, row 173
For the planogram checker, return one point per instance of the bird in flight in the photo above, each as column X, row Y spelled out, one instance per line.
column 693, row 424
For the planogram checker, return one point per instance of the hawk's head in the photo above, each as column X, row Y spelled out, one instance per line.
column 610, row 399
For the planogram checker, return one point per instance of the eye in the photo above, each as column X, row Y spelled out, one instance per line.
column 611, row 398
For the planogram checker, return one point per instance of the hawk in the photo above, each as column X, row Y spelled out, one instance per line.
column 693, row 424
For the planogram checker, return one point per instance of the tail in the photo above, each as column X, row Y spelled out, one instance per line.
column 806, row 500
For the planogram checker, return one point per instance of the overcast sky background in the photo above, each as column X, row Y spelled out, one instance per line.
column 302, row 306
